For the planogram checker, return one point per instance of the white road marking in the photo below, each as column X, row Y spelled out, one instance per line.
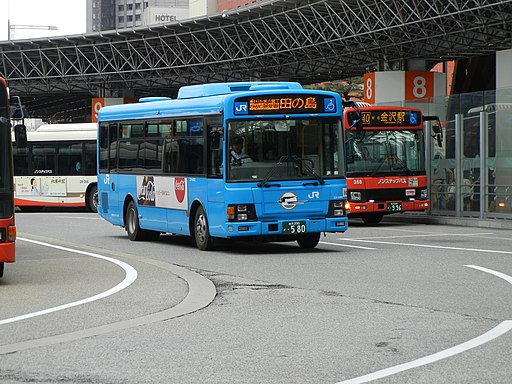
column 422, row 235
column 131, row 276
column 492, row 334
column 492, row 272
column 431, row 246
column 495, row 332
column 80, row 217
column 346, row 245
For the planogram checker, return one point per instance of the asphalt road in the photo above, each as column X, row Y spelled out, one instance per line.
column 395, row 303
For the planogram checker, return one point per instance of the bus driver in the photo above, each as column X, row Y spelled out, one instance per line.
column 237, row 155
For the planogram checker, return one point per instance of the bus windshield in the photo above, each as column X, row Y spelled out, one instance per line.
column 385, row 152
column 293, row 149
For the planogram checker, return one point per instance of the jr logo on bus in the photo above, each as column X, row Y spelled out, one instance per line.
column 241, row 108
column 289, row 200
column 179, row 188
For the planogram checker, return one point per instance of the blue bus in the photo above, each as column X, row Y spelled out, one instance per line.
column 246, row 160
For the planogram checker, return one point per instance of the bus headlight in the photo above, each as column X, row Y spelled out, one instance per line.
column 241, row 212
column 355, row 196
column 337, row 208
column 11, row 233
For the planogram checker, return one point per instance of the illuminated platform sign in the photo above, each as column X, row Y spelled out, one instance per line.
column 390, row 118
column 285, row 104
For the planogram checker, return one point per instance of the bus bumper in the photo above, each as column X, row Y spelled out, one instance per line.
column 7, row 252
column 284, row 228
column 387, row 207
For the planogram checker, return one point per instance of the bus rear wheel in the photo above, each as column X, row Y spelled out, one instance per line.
column 135, row 232
column 309, row 241
column 2, row 269
column 202, row 236
column 91, row 199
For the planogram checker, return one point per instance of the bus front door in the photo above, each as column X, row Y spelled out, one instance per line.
column 109, row 199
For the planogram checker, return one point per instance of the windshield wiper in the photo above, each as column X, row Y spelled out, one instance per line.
column 263, row 183
column 298, row 161
column 309, row 168
column 391, row 165
column 404, row 167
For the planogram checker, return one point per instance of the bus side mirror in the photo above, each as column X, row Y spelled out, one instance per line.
column 20, row 135
column 436, row 128
column 438, row 133
column 18, row 111
column 357, row 121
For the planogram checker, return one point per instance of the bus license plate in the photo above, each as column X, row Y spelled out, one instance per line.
column 294, row 227
column 394, row 207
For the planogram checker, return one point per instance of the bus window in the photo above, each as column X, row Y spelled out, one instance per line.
column 43, row 159
column 89, row 158
column 69, row 158
column 215, row 139
column 20, row 157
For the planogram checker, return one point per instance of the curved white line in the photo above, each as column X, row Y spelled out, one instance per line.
column 131, row 276
column 493, row 333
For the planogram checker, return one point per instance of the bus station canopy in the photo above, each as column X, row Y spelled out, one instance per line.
column 292, row 40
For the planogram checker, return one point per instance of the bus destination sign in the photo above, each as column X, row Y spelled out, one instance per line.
column 390, row 118
column 279, row 104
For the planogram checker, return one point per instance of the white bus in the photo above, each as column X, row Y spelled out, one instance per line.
column 56, row 167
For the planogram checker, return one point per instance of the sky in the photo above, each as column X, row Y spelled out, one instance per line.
column 67, row 15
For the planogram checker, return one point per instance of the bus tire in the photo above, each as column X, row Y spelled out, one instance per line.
column 135, row 232
column 372, row 218
column 2, row 269
column 91, row 199
column 309, row 241
column 202, row 236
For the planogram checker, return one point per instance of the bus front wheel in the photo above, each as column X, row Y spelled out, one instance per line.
column 202, row 236
column 135, row 232
column 309, row 241
column 2, row 269
column 372, row 218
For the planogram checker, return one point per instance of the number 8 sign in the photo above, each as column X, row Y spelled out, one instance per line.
column 369, row 87
column 419, row 85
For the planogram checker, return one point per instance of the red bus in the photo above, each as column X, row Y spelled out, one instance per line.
column 386, row 161
column 7, row 227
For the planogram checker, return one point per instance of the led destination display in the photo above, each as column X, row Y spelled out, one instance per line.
column 390, row 118
column 280, row 104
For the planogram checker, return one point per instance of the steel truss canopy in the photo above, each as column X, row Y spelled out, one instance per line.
column 296, row 40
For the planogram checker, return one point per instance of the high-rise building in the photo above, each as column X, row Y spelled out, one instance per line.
column 105, row 15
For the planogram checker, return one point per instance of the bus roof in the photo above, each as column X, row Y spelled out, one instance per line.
column 67, row 127
column 215, row 89
column 63, row 132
